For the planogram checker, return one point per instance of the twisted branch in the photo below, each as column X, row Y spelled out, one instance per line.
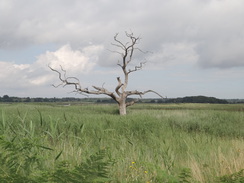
column 66, row 81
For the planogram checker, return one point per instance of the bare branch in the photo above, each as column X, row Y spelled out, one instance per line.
column 81, row 93
column 120, row 43
column 131, row 48
column 116, row 52
column 67, row 81
column 137, row 67
column 118, row 86
column 59, row 74
column 131, row 102
column 135, row 92
column 145, row 52
column 56, row 86
column 119, row 46
column 120, row 65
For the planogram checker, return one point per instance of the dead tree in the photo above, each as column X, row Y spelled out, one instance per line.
column 120, row 94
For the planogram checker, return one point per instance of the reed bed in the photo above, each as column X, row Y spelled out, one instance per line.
column 92, row 143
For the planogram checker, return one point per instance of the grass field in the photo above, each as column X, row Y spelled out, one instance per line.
column 92, row 143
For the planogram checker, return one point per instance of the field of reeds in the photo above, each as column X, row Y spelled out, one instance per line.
column 92, row 143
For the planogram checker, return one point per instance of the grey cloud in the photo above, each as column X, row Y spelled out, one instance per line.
column 214, row 26
column 222, row 54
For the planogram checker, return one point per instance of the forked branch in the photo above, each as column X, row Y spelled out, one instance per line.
column 78, row 88
column 135, row 92
column 137, row 67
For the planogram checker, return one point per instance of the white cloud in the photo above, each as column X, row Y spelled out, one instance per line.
column 9, row 69
column 21, row 66
column 37, row 74
column 40, row 80
column 12, row 75
column 74, row 61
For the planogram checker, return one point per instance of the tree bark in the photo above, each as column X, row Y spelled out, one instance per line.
column 122, row 104
column 122, row 108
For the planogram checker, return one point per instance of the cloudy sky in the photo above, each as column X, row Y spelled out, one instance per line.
column 196, row 46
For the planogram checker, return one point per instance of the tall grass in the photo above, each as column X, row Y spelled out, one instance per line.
column 153, row 143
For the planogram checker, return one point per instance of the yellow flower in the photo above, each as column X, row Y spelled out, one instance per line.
column 133, row 162
column 145, row 172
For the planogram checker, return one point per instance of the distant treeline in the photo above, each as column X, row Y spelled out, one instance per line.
column 198, row 99
column 7, row 98
column 190, row 99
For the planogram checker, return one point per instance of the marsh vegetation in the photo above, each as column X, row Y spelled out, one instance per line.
column 92, row 143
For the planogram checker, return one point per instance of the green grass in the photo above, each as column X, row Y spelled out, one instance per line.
column 153, row 143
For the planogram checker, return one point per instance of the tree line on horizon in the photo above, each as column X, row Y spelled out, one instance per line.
column 188, row 99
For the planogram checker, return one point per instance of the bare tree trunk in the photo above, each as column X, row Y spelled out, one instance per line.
column 122, row 107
